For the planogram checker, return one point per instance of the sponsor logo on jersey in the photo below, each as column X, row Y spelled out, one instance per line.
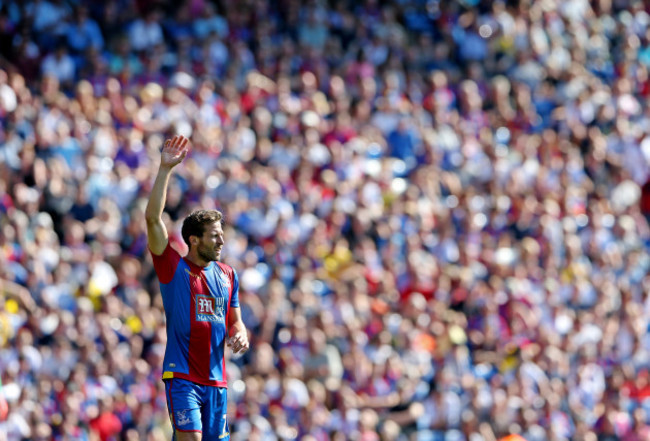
column 192, row 274
column 210, row 309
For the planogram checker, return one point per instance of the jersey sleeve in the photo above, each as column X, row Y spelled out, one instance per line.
column 234, row 297
column 166, row 263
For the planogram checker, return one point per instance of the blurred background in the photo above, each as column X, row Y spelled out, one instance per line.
column 438, row 211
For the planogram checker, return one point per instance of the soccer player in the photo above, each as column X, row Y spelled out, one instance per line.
column 201, row 300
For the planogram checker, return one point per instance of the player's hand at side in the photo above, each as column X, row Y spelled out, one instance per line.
column 239, row 342
column 174, row 151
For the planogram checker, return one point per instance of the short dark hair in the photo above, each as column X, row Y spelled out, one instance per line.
column 195, row 223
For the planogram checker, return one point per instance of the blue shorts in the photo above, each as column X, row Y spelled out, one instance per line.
column 197, row 408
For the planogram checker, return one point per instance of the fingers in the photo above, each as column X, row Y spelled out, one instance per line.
column 240, row 349
column 170, row 143
column 177, row 143
column 238, row 344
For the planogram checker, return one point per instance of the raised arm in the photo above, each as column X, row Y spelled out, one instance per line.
column 173, row 153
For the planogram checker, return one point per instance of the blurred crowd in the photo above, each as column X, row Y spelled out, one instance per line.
column 438, row 211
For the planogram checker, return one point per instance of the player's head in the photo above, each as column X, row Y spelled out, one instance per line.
column 203, row 232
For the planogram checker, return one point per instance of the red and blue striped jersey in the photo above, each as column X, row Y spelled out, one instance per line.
column 196, row 301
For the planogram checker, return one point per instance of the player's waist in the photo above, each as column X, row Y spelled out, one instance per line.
column 168, row 375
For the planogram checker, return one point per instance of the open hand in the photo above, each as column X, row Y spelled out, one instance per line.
column 239, row 342
column 174, row 151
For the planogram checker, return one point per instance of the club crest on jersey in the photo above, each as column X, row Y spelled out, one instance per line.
column 225, row 280
column 210, row 309
column 182, row 418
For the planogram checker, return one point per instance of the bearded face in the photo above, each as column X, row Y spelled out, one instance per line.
column 210, row 244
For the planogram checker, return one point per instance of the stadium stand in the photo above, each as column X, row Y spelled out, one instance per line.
column 438, row 211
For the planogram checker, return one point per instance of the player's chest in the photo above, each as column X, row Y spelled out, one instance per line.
column 209, row 294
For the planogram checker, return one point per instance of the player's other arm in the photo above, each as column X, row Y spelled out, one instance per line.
column 238, row 340
column 173, row 153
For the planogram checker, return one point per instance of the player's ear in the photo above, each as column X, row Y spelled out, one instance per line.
column 194, row 240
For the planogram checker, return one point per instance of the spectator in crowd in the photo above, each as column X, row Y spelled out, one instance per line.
column 146, row 32
column 60, row 65
column 438, row 212
column 83, row 32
